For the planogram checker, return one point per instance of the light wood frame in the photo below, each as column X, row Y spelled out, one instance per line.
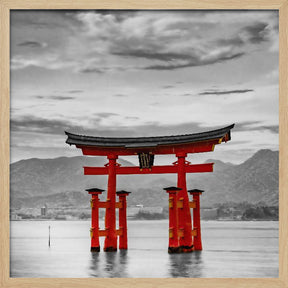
column 6, row 281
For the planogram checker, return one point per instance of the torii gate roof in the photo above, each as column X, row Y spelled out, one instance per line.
column 139, row 142
column 157, row 145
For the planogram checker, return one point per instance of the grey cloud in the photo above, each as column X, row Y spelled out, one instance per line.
column 75, row 91
column 257, row 33
column 99, row 70
column 235, row 41
column 41, row 19
column 272, row 128
column 225, row 92
column 150, row 54
column 256, row 126
column 244, row 126
column 31, row 44
column 105, row 114
column 168, row 86
column 157, row 129
column 39, row 125
column 31, row 124
column 55, row 97
column 57, row 127
column 61, row 98
column 92, row 70
column 189, row 95
column 195, row 61
column 120, row 95
column 154, row 41
column 132, row 118
column 254, row 33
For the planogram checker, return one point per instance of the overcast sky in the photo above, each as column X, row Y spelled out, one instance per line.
column 143, row 73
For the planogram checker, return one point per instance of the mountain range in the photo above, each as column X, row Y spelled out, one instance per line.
column 60, row 182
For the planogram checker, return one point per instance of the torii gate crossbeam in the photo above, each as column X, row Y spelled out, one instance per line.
column 165, row 169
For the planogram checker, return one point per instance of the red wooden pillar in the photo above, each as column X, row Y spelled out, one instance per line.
column 196, row 218
column 123, row 219
column 110, row 243
column 184, row 215
column 173, row 246
column 94, row 231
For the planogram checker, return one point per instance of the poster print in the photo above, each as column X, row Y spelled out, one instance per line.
column 143, row 73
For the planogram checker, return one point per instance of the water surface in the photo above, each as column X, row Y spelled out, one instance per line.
column 230, row 249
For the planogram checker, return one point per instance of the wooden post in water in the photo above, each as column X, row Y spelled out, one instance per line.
column 123, row 219
column 196, row 218
column 49, row 237
column 94, row 231
column 173, row 220
column 110, row 243
column 184, row 214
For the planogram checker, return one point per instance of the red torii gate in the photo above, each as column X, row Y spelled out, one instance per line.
column 146, row 148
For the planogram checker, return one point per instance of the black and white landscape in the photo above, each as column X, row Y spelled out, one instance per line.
column 60, row 182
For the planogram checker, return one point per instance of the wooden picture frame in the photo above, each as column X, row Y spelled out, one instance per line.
column 6, row 281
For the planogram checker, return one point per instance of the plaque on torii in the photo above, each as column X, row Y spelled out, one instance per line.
column 146, row 148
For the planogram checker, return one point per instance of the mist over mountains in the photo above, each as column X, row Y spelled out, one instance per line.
column 60, row 182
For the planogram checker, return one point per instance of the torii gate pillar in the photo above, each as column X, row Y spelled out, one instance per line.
column 173, row 246
column 123, row 219
column 196, row 218
column 184, row 215
column 94, row 230
column 110, row 243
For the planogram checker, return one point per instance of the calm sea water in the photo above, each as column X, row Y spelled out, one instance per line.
column 230, row 249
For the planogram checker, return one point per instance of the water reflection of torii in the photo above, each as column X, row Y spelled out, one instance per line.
column 182, row 238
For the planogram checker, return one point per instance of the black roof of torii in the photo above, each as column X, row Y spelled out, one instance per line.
column 139, row 142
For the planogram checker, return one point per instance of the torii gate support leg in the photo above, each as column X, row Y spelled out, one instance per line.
column 94, row 231
column 110, row 243
column 184, row 215
column 173, row 220
column 123, row 219
column 196, row 221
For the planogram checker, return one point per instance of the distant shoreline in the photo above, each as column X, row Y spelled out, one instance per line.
column 130, row 219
